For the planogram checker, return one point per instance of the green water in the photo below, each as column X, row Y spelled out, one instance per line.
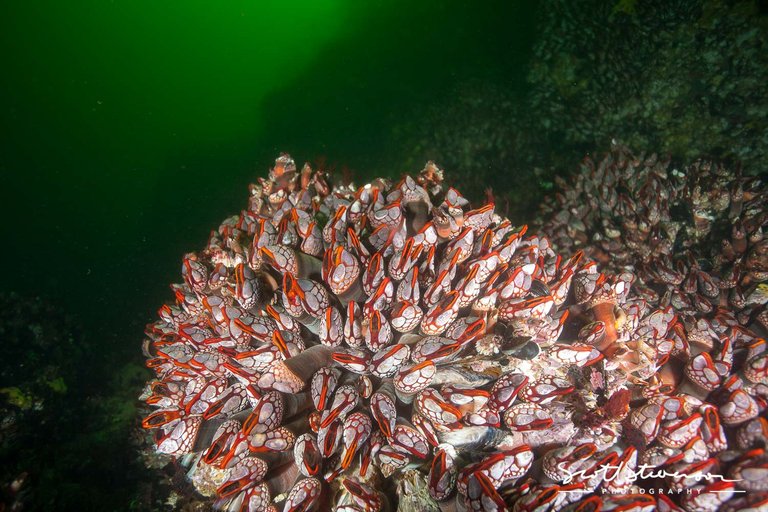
column 131, row 129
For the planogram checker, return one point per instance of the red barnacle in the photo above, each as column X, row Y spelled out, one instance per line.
column 620, row 477
column 401, row 261
column 279, row 341
column 466, row 399
column 440, row 316
column 365, row 497
column 466, row 329
column 442, row 476
column 412, row 379
column 329, row 438
column 390, row 215
column 366, row 456
column 756, row 368
column 527, row 416
column 702, row 372
column 381, row 298
column 426, row 428
column 484, row 418
column 712, row 431
column 709, row 497
column 506, row 389
column 405, row 316
column 194, row 272
column 344, row 400
column 379, row 333
column 677, row 433
column 340, row 269
column 247, row 289
column 751, row 434
column 335, row 228
column 409, row 289
column 323, row 385
column 353, row 334
column 576, row 353
column 244, row 474
column 331, row 327
column 356, row 431
column 462, row 243
column 506, row 464
column 592, row 333
column 536, row 308
column 314, row 421
column 365, row 386
column 486, row 241
column 292, row 296
column 430, row 404
column 306, row 452
column 223, row 440
column 162, row 417
column 481, row 218
column 738, row 408
column 546, row 390
column 384, row 409
column 542, row 498
column 352, row 359
column 354, row 244
column 560, row 288
column 482, row 494
column 228, row 402
column 180, row 440
column 266, row 415
column 439, row 287
column 160, row 391
column 437, row 349
column 305, row 496
column 373, row 274
column 277, row 440
column 408, row 440
column 282, row 320
column 259, row 359
column 647, row 419
column 387, row 361
column 558, row 464
column 282, row 259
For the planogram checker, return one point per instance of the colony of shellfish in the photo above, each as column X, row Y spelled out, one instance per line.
column 693, row 237
column 390, row 348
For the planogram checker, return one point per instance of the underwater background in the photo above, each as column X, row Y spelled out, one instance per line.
column 129, row 130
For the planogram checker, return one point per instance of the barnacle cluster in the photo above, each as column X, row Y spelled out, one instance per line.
column 693, row 236
column 389, row 347
column 691, row 243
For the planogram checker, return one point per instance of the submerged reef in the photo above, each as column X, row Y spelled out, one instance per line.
column 390, row 347
column 37, row 380
column 684, row 77
column 66, row 407
column 694, row 236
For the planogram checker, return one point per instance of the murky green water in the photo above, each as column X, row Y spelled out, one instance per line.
column 131, row 129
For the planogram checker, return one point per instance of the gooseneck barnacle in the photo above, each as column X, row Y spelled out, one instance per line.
column 365, row 348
